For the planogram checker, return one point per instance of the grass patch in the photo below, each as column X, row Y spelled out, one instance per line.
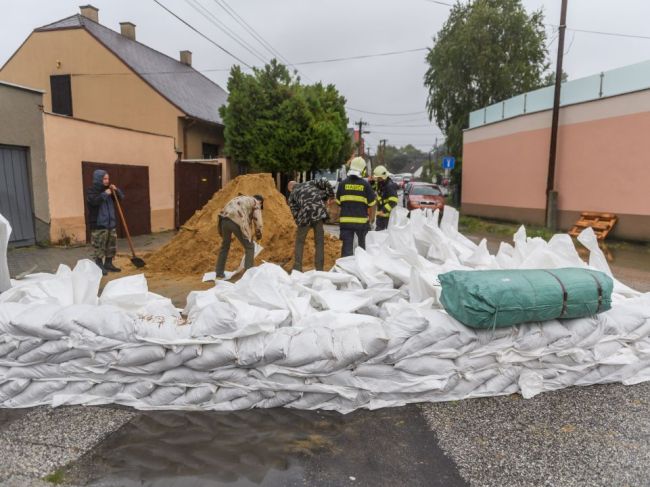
column 470, row 224
column 57, row 477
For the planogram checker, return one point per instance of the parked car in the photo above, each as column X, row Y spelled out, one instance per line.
column 423, row 196
column 407, row 187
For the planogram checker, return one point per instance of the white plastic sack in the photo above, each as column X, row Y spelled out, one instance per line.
column 5, row 232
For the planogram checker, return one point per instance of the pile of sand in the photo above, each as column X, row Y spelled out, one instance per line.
column 194, row 249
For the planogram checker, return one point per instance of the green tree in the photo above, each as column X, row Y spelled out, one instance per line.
column 274, row 123
column 404, row 159
column 549, row 78
column 487, row 51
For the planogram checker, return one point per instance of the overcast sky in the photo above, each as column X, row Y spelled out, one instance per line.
column 310, row 30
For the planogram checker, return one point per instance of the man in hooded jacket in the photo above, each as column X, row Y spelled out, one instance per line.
column 102, row 220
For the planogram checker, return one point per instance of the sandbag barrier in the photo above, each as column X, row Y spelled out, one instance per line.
column 369, row 334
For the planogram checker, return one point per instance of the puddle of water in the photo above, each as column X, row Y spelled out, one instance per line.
column 176, row 448
column 272, row 447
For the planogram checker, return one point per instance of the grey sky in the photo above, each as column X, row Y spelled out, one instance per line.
column 306, row 30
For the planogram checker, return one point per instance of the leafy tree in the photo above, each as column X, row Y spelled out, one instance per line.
column 549, row 78
column 404, row 159
column 487, row 51
column 274, row 123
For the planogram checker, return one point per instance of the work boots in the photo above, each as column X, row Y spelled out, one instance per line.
column 108, row 265
column 99, row 263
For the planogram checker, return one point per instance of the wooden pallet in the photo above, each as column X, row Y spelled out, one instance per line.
column 602, row 223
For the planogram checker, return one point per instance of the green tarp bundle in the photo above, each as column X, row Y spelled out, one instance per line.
column 489, row 299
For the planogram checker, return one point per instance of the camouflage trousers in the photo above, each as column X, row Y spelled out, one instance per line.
column 104, row 243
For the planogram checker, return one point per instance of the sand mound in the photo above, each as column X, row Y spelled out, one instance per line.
column 194, row 249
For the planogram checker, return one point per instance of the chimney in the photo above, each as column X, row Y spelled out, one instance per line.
column 186, row 57
column 128, row 30
column 90, row 12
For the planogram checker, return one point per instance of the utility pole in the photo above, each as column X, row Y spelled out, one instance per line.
column 382, row 145
column 551, row 194
column 360, row 124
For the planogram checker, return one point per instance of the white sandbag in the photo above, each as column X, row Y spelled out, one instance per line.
column 32, row 321
column 42, row 288
column 211, row 356
column 235, row 318
column 5, row 232
column 11, row 388
column 86, row 277
column 140, row 355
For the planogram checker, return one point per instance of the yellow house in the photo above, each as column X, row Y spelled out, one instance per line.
column 112, row 102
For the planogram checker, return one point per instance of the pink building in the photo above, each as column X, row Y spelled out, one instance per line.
column 603, row 159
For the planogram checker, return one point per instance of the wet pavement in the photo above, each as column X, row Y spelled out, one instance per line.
column 47, row 259
column 275, row 447
column 586, row 436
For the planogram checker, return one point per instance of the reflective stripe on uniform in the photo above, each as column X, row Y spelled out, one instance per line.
column 388, row 207
column 372, row 203
column 353, row 219
column 354, row 197
column 393, row 198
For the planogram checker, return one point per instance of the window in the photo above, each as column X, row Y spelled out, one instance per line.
column 426, row 191
column 210, row 151
column 61, row 94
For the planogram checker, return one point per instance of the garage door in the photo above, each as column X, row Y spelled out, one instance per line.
column 16, row 194
column 196, row 183
column 134, row 181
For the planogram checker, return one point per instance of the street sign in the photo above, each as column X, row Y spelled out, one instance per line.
column 448, row 162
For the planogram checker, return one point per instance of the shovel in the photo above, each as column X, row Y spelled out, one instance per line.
column 136, row 261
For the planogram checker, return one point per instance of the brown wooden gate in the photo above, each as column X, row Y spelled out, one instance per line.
column 196, row 183
column 134, row 182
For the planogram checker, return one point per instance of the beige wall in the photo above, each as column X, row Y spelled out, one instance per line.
column 21, row 124
column 197, row 133
column 70, row 141
column 104, row 89
column 602, row 164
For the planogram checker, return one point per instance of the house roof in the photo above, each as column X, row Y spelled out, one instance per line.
column 21, row 87
column 182, row 85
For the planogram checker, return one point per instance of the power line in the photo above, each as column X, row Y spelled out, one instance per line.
column 441, row 3
column 362, row 56
column 603, row 33
column 407, row 134
column 210, row 17
column 202, row 34
column 242, row 22
column 399, row 126
column 386, row 114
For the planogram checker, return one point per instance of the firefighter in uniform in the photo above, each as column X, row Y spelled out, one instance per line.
column 356, row 199
column 387, row 199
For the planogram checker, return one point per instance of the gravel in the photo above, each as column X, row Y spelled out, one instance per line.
column 580, row 436
column 45, row 439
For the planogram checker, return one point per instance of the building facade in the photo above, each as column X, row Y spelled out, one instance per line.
column 107, row 99
column 602, row 157
column 23, row 180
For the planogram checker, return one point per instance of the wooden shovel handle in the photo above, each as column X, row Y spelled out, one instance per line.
column 126, row 227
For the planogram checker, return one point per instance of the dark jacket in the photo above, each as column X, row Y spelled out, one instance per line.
column 101, row 207
column 386, row 195
column 307, row 201
column 355, row 196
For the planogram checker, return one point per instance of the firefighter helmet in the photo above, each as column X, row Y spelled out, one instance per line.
column 380, row 172
column 357, row 166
